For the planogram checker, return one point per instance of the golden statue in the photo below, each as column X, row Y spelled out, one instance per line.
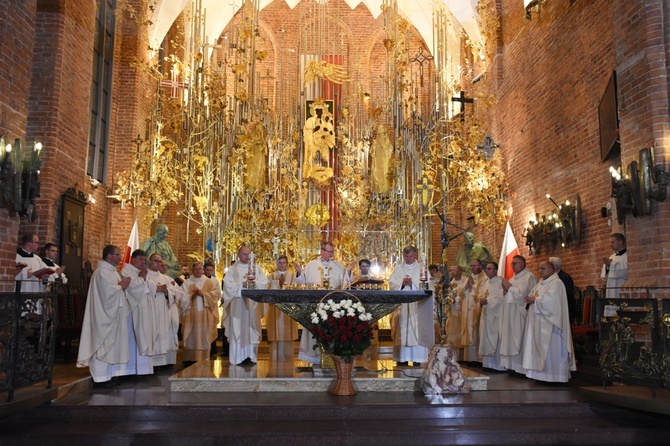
column 381, row 152
column 321, row 69
column 318, row 138
column 254, row 142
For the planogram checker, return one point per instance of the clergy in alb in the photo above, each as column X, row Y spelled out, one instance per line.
column 175, row 294
column 489, row 329
column 200, row 314
column 471, row 311
column 453, row 325
column 242, row 320
column 320, row 269
column 548, row 353
column 164, row 299
column 513, row 318
column 106, row 346
column 412, row 324
column 142, row 310
column 282, row 330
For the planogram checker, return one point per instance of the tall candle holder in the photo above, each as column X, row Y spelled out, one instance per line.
column 251, row 274
column 423, row 275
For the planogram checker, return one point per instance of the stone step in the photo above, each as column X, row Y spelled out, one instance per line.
column 205, row 426
column 297, row 376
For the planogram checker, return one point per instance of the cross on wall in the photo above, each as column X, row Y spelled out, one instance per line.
column 463, row 100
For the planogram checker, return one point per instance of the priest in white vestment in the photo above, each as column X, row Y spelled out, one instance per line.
column 514, row 312
column 471, row 312
column 548, row 353
column 200, row 315
column 243, row 316
column 489, row 328
column 162, row 296
column 412, row 324
column 282, row 329
column 106, row 346
column 314, row 273
column 142, row 310
column 176, row 295
column 453, row 325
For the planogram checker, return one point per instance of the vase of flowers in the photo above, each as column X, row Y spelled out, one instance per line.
column 342, row 329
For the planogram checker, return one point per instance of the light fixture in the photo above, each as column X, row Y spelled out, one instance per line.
column 532, row 6
column 19, row 177
column 560, row 227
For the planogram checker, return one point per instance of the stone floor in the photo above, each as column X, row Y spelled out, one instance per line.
column 147, row 410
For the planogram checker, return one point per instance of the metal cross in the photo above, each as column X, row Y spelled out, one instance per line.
column 173, row 83
column 463, row 100
column 420, row 58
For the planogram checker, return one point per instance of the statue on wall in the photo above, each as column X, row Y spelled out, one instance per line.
column 381, row 152
column 472, row 250
column 256, row 146
column 158, row 244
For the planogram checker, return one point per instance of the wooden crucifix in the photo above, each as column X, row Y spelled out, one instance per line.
column 463, row 100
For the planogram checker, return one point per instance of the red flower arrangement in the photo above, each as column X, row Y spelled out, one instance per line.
column 342, row 328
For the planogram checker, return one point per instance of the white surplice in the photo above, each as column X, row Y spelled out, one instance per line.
column 163, row 301
column 313, row 274
column 412, row 324
column 30, row 284
column 107, row 345
column 242, row 316
column 489, row 328
column 548, row 353
column 143, row 310
column 513, row 320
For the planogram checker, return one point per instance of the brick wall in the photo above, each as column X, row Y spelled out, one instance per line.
column 554, row 71
column 17, row 25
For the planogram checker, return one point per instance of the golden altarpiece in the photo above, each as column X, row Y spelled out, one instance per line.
column 282, row 140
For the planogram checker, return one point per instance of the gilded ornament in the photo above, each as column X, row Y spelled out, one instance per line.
column 318, row 215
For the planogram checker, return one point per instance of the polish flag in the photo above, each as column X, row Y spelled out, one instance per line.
column 509, row 250
column 133, row 244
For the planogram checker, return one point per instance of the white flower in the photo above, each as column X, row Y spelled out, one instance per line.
column 315, row 319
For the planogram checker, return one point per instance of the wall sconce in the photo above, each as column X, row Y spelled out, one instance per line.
column 532, row 6
column 19, row 177
column 622, row 192
column 653, row 173
column 560, row 228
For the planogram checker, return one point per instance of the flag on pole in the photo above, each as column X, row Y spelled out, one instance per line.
column 133, row 243
column 509, row 250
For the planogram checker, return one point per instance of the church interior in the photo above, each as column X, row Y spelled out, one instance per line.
column 374, row 125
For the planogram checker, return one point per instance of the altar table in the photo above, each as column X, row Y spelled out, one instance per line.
column 300, row 304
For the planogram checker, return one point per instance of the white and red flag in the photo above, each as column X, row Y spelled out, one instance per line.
column 509, row 250
column 133, row 243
